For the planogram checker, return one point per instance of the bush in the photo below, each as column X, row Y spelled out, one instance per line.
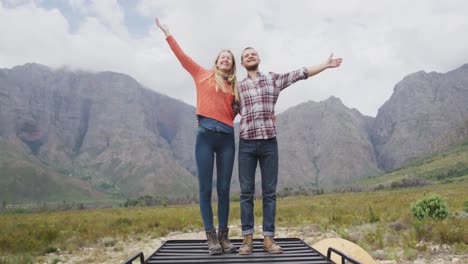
column 409, row 183
column 372, row 216
column 122, row 221
column 432, row 206
column 26, row 259
column 450, row 231
column 51, row 249
column 108, row 241
column 235, row 198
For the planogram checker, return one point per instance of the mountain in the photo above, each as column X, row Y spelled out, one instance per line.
column 423, row 107
column 24, row 179
column 324, row 144
column 446, row 166
column 82, row 135
column 453, row 136
column 104, row 129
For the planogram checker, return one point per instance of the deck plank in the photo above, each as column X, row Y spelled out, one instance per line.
column 196, row 251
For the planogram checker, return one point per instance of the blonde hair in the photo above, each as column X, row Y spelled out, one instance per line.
column 231, row 77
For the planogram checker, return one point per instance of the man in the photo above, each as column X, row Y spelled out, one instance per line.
column 258, row 94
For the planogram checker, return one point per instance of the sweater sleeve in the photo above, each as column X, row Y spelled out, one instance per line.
column 191, row 66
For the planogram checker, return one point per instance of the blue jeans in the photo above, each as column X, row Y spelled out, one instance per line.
column 209, row 144
column 251, row 152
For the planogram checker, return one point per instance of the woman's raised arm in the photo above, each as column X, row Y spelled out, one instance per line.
column 190, row 65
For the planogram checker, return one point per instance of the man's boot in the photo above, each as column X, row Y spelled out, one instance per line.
column 247, row 245
column 214, row 247
column 270, row 245
column 224, row 241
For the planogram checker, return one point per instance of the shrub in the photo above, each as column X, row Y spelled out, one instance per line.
column 450, row 231
column 122, row 221
column 56, row 260
column 432, row 206
column 108, row 241
column 235, row 198
column 375, row 238
column 51, row 249
column 397, row 225
column 423, row 230
column 409, row 183
column 372, row 216
column 27, row 259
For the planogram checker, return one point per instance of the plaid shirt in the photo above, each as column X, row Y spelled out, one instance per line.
column 258, row 99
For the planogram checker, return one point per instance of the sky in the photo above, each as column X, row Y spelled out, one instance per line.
column 380, row 41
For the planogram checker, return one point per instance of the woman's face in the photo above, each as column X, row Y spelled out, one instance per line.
column 224, row 61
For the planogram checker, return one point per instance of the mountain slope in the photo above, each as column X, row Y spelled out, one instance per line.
column 23, row 179
column 423, row 107
column 102, row 127
column 104, row 134
column 450, row 165
column 324, row 144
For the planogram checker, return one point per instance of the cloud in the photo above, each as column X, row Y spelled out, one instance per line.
column 380, row 42
column 31, row 34
column 108, row 12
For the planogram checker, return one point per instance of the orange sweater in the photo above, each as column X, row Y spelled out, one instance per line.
column 212, row 104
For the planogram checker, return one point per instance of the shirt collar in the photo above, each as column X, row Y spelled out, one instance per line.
column 259, row 74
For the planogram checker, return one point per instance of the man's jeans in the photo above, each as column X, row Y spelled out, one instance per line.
column 209, row 143
column 264, row 151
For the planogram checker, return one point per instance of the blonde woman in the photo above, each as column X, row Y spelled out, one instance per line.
column 216, row 95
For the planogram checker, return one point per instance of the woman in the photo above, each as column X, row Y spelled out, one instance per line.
column 216, row 95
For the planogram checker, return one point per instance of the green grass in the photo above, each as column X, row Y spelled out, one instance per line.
column 374, row 220
column 30, row 183
column 445, row 167
column 34, row 233
column 24, row 179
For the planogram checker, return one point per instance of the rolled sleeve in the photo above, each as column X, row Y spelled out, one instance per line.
column 284, row 80
column 305, row 73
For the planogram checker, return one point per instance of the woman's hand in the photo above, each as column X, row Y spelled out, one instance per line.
column 163, row 27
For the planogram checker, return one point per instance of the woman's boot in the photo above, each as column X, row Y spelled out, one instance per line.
column 224, row 241
column 214, row 247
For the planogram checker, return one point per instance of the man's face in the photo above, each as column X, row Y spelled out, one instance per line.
column 250, row 59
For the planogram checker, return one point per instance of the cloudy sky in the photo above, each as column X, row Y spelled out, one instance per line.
column 380, row 41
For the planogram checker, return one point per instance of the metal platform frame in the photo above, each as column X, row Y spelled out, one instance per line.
column 196, row 251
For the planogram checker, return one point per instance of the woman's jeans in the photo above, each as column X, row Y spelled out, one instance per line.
column 210, row 144
column 251, row 152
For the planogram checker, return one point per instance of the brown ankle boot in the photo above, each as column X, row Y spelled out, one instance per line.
column 214, row 247
column 247, row 245
column 224, row 241
column 270, row 245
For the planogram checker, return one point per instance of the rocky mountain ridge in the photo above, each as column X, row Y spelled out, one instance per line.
column 107, row 131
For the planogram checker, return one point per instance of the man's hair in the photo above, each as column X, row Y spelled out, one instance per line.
column 242, row 53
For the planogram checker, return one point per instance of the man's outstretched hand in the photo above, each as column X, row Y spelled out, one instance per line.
column 333, row 63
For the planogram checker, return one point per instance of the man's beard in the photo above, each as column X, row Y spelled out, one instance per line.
column 253, row 67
